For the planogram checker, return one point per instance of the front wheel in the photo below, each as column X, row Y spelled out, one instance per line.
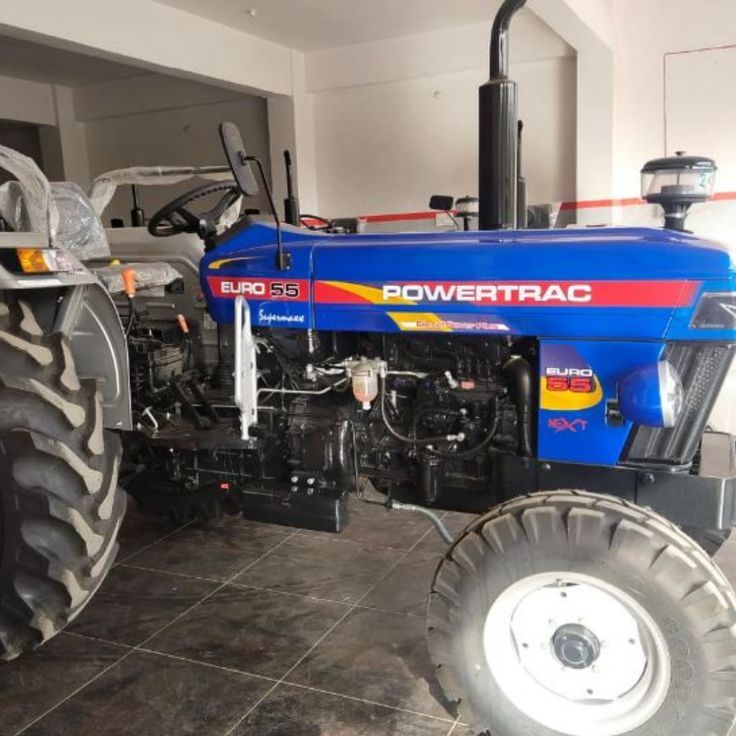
column 575, row 614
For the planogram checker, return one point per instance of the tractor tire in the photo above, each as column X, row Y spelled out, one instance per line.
column 711, row 540
column 60, row 506
column 576, row 614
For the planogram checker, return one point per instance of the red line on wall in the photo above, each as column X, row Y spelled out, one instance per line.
column 566, row 206
column 585, row 204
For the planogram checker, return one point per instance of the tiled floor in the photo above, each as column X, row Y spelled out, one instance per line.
column 243, row 629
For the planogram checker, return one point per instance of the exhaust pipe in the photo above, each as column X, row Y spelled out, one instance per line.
column 498, row 131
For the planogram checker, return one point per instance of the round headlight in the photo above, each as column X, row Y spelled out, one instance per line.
column 652, row 395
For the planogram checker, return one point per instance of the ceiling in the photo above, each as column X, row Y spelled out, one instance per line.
column 309, row 25
column 38, row 63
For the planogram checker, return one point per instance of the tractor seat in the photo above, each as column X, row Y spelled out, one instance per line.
column 81, row 231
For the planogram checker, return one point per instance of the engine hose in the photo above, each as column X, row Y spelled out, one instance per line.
column 398, row 435
column 521, row 373
column 392, row 505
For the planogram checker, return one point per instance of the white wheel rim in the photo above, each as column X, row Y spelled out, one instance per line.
column 622, row 670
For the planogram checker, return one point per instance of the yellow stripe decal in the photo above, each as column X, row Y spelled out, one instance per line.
column 419, row 322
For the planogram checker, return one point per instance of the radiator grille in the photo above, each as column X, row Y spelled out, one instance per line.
column 702, row 367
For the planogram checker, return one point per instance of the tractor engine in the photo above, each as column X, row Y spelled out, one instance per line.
column 419, row 417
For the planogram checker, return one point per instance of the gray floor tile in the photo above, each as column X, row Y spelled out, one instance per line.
column 29, row 686
column 406, row 587
column 292, row 711
column 140, row 530
column 374, row 526
column 149, row 695
column 217, row 549
column 316, row 566
column 381, row 657
column 133, row 604
column 257, row 631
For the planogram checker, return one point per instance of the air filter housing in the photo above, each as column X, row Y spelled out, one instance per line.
column 676, row 183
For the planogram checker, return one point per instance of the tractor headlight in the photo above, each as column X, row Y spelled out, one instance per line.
column 652, row 395
column 716, row 311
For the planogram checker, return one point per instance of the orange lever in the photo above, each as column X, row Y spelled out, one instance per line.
column 129, row 282
column 183, row 325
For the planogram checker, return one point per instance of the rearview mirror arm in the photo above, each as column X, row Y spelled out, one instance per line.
column 283, row 259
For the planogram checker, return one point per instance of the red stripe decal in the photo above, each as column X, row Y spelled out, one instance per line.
column 520, row 294
column 327, row 293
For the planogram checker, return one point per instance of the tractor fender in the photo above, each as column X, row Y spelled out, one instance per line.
column 88, row 317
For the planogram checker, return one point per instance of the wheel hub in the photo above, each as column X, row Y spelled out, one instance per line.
column 576, row 646
column 577, row 654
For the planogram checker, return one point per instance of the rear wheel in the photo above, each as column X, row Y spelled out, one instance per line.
column 60, row 507
column 581, row 615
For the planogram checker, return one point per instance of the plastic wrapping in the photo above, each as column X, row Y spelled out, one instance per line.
column 12, row 206
column 80, row 229
column 104, row 186
column 147, row 275
column 27, row 205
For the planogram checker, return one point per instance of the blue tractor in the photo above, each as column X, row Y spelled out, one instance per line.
column 557, row 383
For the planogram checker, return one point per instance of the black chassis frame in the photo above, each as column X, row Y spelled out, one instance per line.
column 706, row 499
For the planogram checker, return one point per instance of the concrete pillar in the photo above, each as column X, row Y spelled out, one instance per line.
column 291, row 126
column 72, row 139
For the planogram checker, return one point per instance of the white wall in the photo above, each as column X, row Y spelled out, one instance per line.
column 388, row 147
column 645, row 33
column 397, row 120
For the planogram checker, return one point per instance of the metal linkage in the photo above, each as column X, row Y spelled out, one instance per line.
column 246, row 371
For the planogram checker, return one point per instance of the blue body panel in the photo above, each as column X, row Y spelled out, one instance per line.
column 605, row 298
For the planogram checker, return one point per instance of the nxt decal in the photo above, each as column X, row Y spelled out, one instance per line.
column 568, row 382
column 677, row 293
column 229, row 287
column 563, row 424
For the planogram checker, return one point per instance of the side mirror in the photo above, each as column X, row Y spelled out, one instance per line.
column 238, row 159
column 441, row 202
column 239, row 162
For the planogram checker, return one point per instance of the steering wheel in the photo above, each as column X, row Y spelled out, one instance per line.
column 176, row 217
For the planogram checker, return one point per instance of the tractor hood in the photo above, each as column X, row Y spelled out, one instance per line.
column 595, row 282
column 605, row 253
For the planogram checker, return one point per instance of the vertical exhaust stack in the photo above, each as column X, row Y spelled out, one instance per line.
column 498, row 131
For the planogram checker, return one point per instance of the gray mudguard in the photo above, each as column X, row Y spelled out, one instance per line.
column 90, row 320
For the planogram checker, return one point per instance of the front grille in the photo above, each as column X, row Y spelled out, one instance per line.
column 702, row 368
